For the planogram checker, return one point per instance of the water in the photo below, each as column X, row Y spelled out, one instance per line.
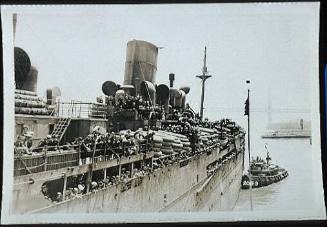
column 295, row 191
column 295, row 155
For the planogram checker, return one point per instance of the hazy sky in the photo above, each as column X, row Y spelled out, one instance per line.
column 273, row 45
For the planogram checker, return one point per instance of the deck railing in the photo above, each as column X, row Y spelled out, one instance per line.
column 44, row 159
column 78, row 109
column 56, row 157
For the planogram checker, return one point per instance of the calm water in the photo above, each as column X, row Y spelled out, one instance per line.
column 294, row 192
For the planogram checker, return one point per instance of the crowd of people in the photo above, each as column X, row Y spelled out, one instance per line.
column 113, row 144
column 125, row 143
column 212, row 168
column 125, row 102
column 77, row 185
column 51, row 141
column 24, row 143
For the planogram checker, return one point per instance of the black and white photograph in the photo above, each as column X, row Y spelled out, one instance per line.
column 161, row 113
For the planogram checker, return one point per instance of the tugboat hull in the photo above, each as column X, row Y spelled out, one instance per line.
column 262, row 181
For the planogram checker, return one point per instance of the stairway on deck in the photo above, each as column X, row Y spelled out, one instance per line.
column 60, row 128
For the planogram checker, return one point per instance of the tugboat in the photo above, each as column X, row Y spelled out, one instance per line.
column 263, row 173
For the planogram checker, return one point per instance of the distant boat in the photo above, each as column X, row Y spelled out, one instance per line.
column 278, row 134
column 263, row 173
column 298, row 129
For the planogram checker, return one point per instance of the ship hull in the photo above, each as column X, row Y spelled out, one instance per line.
column 173, row 188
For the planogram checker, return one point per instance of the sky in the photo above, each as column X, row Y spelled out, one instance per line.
column 275, row 46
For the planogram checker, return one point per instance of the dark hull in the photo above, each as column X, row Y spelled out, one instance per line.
column 262, row 181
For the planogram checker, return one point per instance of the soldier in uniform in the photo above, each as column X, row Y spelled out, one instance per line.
column 28, row 137
column 125, row 144
column 149, row 137
column 44, row 142
column 51, row 141
column 20, row 147
column 194, row 139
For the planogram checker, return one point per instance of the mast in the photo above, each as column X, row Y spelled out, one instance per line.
column 14, row 25
column 203, row 78
column 247, row 113
column 268, row 158
column 249, row 151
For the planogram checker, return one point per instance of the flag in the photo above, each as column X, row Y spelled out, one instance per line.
column 247, row 109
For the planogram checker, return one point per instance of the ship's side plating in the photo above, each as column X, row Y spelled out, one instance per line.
column 173, row 188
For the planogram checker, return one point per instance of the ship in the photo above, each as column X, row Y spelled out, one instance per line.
column 297, row 128
column 285, row 129
column 291, row 129
column 139, row 147
column 263, row 173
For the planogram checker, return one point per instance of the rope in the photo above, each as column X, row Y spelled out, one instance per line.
column 28, row 170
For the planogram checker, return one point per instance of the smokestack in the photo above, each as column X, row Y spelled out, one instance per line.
column 30, row 83
column 171, row 79
column 141, row 63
